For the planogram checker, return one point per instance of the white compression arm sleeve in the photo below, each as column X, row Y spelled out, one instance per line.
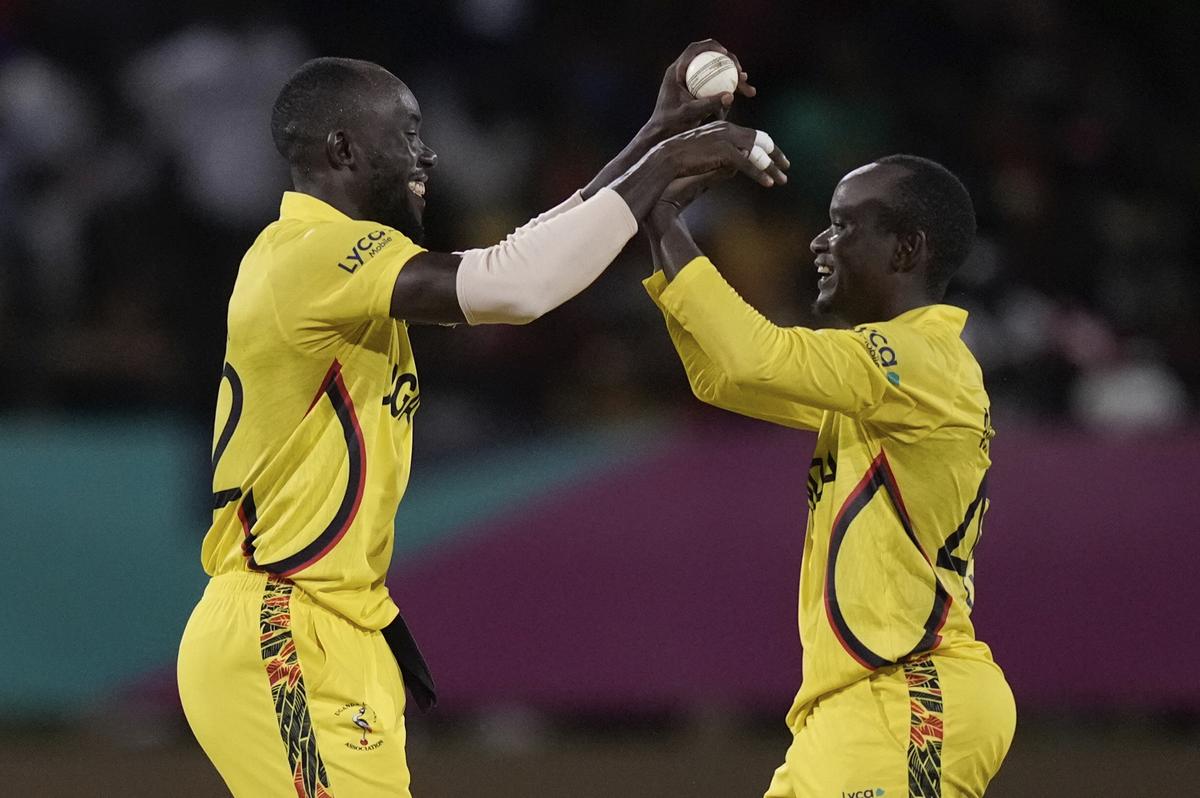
column 573, row 201
column 544, row 263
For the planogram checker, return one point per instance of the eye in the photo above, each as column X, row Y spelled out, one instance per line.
column 836, row 225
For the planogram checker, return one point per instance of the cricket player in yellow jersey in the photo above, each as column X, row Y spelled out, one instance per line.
column 898, row 696
column 293, row 665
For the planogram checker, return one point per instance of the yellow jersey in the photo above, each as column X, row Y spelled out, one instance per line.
column 897, row 487
column 313, row 433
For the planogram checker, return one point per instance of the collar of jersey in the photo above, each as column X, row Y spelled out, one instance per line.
column 948, row 315
column 306, row 207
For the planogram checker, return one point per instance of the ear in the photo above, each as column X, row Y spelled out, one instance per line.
column 912, row 250
column 338, row 150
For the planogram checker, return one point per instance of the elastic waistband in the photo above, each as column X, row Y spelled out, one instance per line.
column 251, row 584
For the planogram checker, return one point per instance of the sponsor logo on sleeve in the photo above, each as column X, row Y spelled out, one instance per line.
column 881, row 352
column 364, row 249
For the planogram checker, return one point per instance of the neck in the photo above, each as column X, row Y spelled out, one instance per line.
column 903, row 303
column 893, row 306
column 327, row 188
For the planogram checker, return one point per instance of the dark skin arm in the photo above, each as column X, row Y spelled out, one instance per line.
column 674, row 112
column 671, row 243
column 425, row 290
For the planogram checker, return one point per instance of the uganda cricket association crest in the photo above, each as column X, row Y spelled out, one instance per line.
column 364, row 721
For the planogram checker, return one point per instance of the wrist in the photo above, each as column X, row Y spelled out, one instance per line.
column 642, row 185
column 662, row 217
column 654, row 131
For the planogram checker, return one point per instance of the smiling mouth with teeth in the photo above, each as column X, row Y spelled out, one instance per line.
column 417, row 187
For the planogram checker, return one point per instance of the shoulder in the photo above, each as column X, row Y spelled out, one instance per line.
column 346, row 245
column 892, row 346
column 917, row 349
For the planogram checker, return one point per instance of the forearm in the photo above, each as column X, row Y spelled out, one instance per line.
column 650, row 134
column 671, row 241
column 712, row 386
column 830, row 370
column 573, row 201
column 643, row 183
column 523, row 277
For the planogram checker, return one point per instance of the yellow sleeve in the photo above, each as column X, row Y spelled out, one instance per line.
column 713, row 387
column 838, row 370
column 339, row 273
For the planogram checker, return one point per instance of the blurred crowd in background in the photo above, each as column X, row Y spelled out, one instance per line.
column 136, row 167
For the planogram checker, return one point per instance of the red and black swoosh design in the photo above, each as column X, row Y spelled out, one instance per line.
column 879, row 476
column 333, row 388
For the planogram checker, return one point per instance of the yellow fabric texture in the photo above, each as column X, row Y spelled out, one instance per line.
column 313, row 433
column 896, row 487
column 858, row 741
column 289, row 699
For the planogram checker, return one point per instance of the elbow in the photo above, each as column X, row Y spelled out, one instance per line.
column 512, row 306
column 525, row 306
column 708, row 390
column 529, row 305
column 747, row 372
column 521, row 311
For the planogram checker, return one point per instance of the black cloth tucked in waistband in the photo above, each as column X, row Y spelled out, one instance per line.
column 412, row 664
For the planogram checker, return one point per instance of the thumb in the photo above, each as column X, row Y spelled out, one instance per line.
column 696, row 110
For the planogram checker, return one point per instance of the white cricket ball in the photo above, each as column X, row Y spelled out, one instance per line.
column 711, row 73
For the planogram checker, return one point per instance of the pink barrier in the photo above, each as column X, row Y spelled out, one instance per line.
column 673, row 582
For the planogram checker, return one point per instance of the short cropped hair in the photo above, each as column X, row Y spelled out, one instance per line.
column 322, row 95
column 932, row 199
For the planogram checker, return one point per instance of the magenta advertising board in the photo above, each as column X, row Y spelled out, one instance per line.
column 672, row 580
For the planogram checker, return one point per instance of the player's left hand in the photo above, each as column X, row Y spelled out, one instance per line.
column 684, row 190
column 677, row 110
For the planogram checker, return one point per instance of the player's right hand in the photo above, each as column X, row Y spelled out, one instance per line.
column 721, row 146
column 676, row 109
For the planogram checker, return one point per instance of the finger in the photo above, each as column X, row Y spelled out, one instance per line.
column 758, row 156
column 695, row 110
column 780, row 159
column 763, row 140
column 740, row 160
column 762, row 160
column 744, row 88
column 742, row 137
column 694, row 49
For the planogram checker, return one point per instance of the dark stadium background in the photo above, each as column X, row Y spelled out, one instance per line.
column 600, row 633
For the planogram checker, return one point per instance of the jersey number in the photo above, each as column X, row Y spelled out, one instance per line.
column 237, row 395
column 972, row 522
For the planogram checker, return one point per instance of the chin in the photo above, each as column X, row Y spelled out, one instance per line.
column 827, row 309
column 417, row 236
column 409, row 224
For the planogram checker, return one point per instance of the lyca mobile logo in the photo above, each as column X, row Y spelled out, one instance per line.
column 366, row 247
column 864, row 793
column 881, row 351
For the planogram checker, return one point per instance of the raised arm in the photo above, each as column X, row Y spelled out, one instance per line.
column 527, row 275
column 813, row 369
column 560, row 252
column 674, row 112
column 708, row 382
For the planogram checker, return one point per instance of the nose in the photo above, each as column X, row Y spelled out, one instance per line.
column 428, row 157
column 820, row 243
